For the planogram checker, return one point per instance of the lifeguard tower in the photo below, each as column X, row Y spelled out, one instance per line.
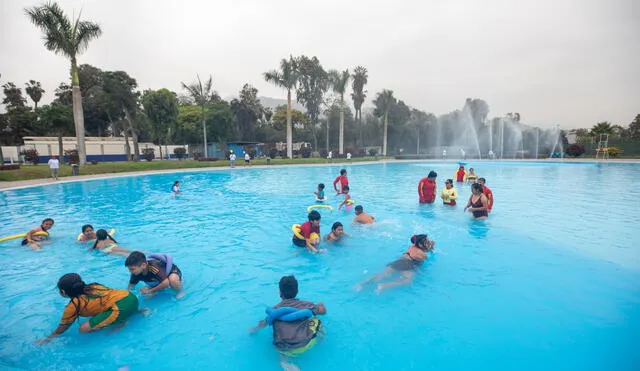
column 603, row 147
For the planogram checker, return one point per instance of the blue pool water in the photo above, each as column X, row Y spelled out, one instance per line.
column 551, row 280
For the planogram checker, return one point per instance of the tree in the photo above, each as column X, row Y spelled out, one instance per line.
column 281, row 117
column 161, row 107
column 13, row 96
column 247, row 111
column 286, row 78
column 358, row 96
column 602, row 128
column 339, row 81
column 120, row 94
column 34, row 91
column 69, row 38
column 59, row 119
column 313, row 82
column 202, row 95
column 634, row 128
column 384, row 102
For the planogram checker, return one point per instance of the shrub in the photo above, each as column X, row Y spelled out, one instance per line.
column 295, row 153
column 197, row 155
column 94, row 162
column 273, row 153
column 373, row 152
column 148, row 154
column 180, row 152
column 614, row 152
column 72, row 156
column 362, row 152
column 227, row 154
column 10, row 167
column 305, row 152
column 253, row 153
column 324, row 153
column 31, row 156
column 575, row 150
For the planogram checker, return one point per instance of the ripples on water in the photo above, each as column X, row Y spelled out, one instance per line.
column 550, row 280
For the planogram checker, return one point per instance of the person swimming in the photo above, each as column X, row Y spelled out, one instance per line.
column 478, row 203
column 320, row 193
column 306, row 229
column 34, row 241
column 104, row 305
column 337, row 232
column 88, row 233
column 157, row 271
column 347, row 197
column 362, row 217
column 406, row 265
column 176, row 188
column 108, row 245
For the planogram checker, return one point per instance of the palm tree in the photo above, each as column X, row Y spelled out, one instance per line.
column 69, row 38
column 383, row 102
column 602, row 128
column 286, row 78
column 339, row 81
column 201, row 94
column 34, row 91
column 359, row 94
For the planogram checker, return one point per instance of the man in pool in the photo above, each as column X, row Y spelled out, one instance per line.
column 311, row 226
column 153, row 272
column 342, row 179
column 298, row 332
column 487, row 192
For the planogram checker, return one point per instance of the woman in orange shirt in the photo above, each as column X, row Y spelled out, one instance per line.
column 105, row 306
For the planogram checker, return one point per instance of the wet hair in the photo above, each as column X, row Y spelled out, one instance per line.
column 321, row 185
column 48, row 220
column 476, row 186
column 359, row 209
column 288, row 287
column 432, row 174
column 335, row 226
column 343, row 171
column 483, row 180
column 135, row 259
column 313, row 215
column 345, row 188
column 450, row 181
column 418, row 239
column 73, row 286
column 86, row 226
column 470, row 169
column 176, row 183
column 102, row 235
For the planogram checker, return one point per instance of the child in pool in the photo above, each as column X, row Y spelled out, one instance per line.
column 320, row 193
column 104, row 305
column 88, row 233
column 295, row 336
column 337, row 232
column 34, row 241
column 153, row 272
column 362, row 217
column 347, row 198
column 176, row 188
column 471, row 176
column 108, row 245
column 306, row 229
column 406, row 265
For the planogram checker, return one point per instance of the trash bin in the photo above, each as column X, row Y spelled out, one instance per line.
column 75, row 169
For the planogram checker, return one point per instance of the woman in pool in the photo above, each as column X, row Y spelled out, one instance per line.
column 104, row 305
column 108, row 245
column 449, row 194
column 478, row 203
column 88, row 233
column 471, row 176
column 406, row 265
column 337, row 232
column 176, row 188
column 34, row 240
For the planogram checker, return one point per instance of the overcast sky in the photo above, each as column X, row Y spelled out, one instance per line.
column 566, row 62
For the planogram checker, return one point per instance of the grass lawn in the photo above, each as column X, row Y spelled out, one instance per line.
column 27, row 172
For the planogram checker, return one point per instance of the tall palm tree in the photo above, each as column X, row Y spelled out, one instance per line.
column 69, row 38
column 383, row 102
column 202, row 94
column 358, row 96
column 339, row 81
column 286, row 78
column 34, row 91
column 602, row 128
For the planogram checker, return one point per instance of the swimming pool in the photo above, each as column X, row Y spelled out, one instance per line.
column 550, row 280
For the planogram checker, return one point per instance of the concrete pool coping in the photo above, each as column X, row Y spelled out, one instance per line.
column 18, row 184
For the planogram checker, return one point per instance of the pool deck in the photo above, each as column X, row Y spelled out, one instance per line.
column 5, row 186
